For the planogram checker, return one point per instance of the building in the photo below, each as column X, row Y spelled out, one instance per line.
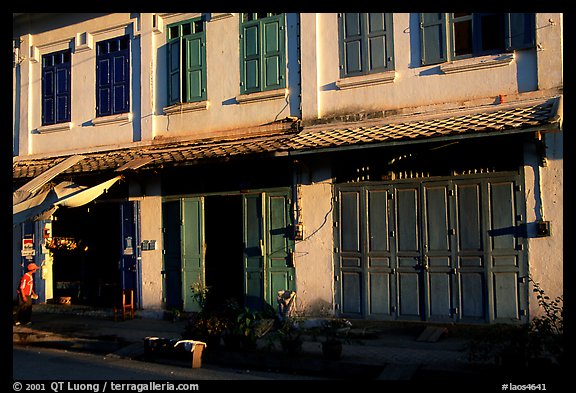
column 398, row 166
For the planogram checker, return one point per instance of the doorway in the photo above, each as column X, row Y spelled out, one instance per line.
column 88, row 270
column 224, row 248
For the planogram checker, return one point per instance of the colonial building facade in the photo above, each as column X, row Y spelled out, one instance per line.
column 385, row 166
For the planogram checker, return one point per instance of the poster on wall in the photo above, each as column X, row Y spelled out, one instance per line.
column 28, row 247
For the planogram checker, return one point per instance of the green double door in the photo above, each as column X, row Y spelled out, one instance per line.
column 449, row 251
column 266, row 256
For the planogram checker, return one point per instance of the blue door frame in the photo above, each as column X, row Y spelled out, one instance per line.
column 130, row 253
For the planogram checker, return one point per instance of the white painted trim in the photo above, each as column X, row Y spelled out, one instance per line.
column 261, row 96
column 55, row 128
column 119, row 118
column 186, row 107
column 477, row 63
column 366, row 80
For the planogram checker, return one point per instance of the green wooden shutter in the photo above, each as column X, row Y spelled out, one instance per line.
column 192, row 235
column 250, row 53
column 195, row 68
column 521, row 30
column 279, row 268
column 253, row 251
column 433, row 41
column 379, row 41
column 273, row 52
column 351, row 44
column 174, row 75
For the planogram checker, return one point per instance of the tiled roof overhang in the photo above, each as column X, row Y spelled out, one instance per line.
column 521, row 117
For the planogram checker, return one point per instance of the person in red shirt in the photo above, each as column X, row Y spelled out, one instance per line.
column 25, row 295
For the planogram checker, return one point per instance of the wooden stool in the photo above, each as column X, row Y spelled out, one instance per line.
column 127, row 305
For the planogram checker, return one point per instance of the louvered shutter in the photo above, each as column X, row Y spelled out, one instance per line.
column 433, row 38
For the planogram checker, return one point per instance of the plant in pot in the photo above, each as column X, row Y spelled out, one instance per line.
column 290, row 335
column 205, row 327
column 335, row 331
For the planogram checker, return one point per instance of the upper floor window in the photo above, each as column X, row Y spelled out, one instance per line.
column 186, row 61
column 262, row 52
column 366, row 43
column 113, row 76
column 56, row 87
column 452, row 36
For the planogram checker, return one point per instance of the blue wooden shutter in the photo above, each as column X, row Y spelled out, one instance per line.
column 250, row 63
column 48, row 105
column 521, row 30
column 121, row 83
column 174, row 76
column 433, row 38
column 351, row 44
column 272, row 52
column 62, row 89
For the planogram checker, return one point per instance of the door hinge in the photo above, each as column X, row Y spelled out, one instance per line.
column 522, row 280
column 523, row 312
column 454, row 311
column 336, row 278
column 450, row 193
column 337, row 306
column 392, row 233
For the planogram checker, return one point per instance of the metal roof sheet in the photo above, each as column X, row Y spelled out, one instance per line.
column 480, row 121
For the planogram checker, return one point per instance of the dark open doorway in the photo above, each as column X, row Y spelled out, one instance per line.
column 88, row 273
column 223, row 235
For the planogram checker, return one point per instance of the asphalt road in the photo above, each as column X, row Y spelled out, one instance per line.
column 47, row 364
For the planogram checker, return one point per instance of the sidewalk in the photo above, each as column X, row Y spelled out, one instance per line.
column 378, row 352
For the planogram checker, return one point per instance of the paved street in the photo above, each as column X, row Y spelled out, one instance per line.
column 32, row 363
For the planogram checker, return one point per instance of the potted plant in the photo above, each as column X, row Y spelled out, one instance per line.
column 205, row 327
column 335, row 331
column 290, row 335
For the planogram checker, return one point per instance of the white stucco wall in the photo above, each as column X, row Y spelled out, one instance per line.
column 417, row 86
column 150, row 229
column 544, row 201
column 314, row 255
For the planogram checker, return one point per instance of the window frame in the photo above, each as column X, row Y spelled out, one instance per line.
column 55, row 69
column 111, row 87
column 184, row 74
column 255, row 25
column 364, row 38
column 434, row 51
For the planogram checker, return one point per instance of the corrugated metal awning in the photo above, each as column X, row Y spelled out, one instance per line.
column 524, row 116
